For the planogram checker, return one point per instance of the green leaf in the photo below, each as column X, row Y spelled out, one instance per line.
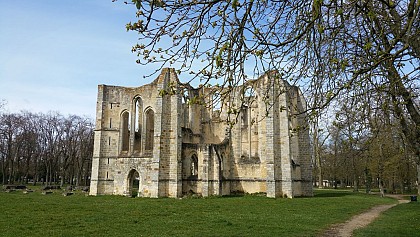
column 367, row 46
column 137, row 3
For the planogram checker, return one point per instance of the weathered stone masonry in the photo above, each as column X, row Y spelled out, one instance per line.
column 152, row 141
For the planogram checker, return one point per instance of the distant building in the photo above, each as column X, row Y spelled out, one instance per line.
column 166, row 139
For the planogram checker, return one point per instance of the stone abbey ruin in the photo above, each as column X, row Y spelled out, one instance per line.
column 154, row 144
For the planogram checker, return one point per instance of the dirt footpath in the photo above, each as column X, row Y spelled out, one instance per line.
column 346, row 229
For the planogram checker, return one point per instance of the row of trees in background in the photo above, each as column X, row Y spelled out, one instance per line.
column 363, row 146
column 47, row 148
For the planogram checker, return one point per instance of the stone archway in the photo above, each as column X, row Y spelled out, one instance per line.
column 190, row 173
column 133, row 181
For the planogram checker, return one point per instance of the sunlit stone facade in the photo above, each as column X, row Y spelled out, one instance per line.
column 167, row 139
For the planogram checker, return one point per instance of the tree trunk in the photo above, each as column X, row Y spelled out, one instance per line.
column 3, row 173
column 380, row 169
column 418, row 179
column 10, row 181
column 355, row 176
column 79, row 175
column 368, row 180
column 355, row 183
column 47, row 176
column 62, row 180
column 78, row 180
column 320, row 180
column 36, row 171
column 318, row 157
column 381, row 187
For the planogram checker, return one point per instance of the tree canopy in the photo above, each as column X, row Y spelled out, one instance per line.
column 45, row 148
column 363, row 52
column 332, row 47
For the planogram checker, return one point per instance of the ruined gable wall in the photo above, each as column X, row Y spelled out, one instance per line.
column 111, row 165
column 257, row 157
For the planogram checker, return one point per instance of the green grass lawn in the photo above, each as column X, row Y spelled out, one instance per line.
column 402, row 220
column 34, row 214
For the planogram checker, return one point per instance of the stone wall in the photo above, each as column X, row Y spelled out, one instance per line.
column 151, row 141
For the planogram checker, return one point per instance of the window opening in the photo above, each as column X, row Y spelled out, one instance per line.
column 194, row 165
column 138, row 115
column 138, row 123
column 185, row 96
column 150, row 126
column 217, row 101
column 244, row 116
column 125, row 131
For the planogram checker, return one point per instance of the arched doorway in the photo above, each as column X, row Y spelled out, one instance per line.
column 133, row 183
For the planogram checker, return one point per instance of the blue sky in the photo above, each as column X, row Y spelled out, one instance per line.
column 53, row 54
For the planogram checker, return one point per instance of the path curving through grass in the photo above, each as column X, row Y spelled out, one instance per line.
column 359, row 221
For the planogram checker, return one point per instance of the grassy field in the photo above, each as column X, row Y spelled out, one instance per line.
column 35, row 214
column 402, row 220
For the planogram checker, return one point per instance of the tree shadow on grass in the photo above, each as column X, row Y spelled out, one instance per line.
column 325, row 194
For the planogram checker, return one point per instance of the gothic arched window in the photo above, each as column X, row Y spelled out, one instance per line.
column 125, row 131
column 150, row 129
